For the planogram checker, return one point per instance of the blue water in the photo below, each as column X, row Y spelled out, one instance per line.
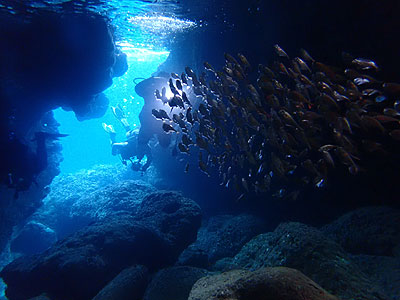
column 88, row 144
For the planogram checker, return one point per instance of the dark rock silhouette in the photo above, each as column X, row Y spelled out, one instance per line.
column 33, row 238
column 130, row 284
column 173, row 283
column 306, row 249
column 368, row 230
column 221, row 236
column 79, row 266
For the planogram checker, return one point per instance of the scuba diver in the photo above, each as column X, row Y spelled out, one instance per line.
column 21, row 172
column 132, row 147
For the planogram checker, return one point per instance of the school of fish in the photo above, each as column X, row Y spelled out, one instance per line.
column 281, row 128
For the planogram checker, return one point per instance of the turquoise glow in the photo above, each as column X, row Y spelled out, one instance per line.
column 88, row 144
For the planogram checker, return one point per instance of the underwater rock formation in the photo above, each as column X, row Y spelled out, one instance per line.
column 130, row 284
column 15, row 211
column 47, row 61
column 277, row 283
column 33, row 238
column 384, row 271
column 79, row 266
column 221, row 236
column 305, row 248
column 368, row 230
column 77, row 199
column 173, row 283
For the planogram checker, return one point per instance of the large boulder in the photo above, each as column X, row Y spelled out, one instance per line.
column 174, row 283
column 305, row 248
column 221, row 236
column 75, row 200
column 368, row 230
column 130, row 284
column 267, row 283
column 176, row 218
column 79, row 266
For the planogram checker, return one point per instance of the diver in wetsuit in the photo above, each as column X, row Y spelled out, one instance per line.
column 132, row 147
column 22, row 171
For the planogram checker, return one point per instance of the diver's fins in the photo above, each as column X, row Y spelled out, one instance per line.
column 118, row 112
column 108, row 128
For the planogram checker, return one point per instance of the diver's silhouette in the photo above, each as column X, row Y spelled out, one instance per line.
column 22, row 165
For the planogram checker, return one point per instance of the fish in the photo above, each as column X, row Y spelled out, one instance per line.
column 178, row 85
column 244, row 62
column 189, row 72
column 168, row 128
column 173, row 88
column 174, row 76
column 186, row 99
column 163, row 114
column 208, row 67
column 365, row 64
column 280, row 51
column 156, row 114
column 287, row 127
column 303, row 66
column 183, row 148
column 184, row 78
column 203, row 167
column 230, row 59
column 306, row 56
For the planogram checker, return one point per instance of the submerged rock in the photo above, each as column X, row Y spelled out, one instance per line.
column 33, row 238
column 79, row 266
column 77, row 199
column 305, row 248
column 173, row 216
column 174, row 283
column 383, row 271
column 368, row 230
column 221, row 236
column 130, row 284
column 267, row 283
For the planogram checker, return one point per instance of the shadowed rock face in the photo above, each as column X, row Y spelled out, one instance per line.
column 130, row 284
column 307, row 249
column 221, row 236
column 51, row 60
column 47, row 61
column 173, row 283
column 79, row 266
column 368, row 230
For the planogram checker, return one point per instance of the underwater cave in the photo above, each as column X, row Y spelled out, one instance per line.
column 190, row 150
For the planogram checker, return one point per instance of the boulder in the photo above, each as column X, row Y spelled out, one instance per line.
column 369, row 230
column 383, row 271
column 33, row 238
column 221, row 236
column 82, row 264
column 278, row 283
column 305, row 248
column 130, row 284
column 176, row 218
column 174, row 283
column 79, row 266
column 77, row 199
